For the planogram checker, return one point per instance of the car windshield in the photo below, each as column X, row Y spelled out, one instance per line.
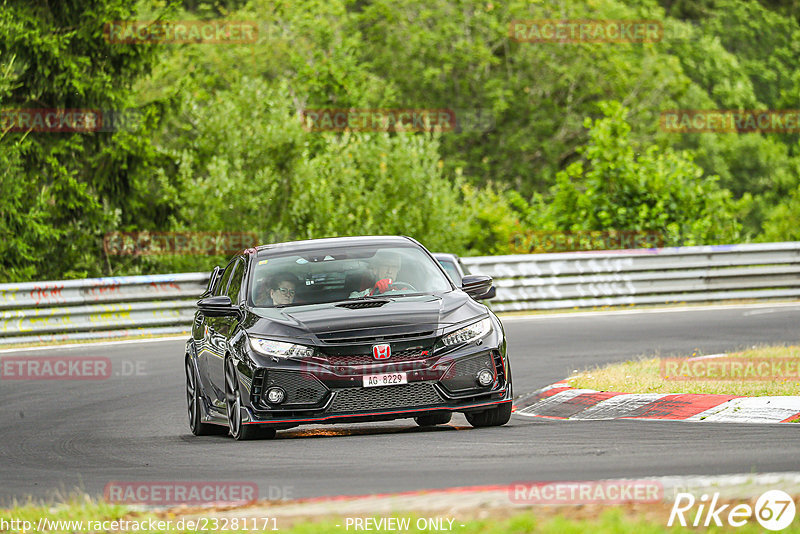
column 334, row 274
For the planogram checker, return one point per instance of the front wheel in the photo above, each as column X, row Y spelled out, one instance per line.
column 497, row 416
column 194, row 403
column 233, row 402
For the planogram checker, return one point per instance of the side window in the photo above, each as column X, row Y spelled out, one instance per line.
column 451, row 271
column 213, row 280
column 236, row 282
column 222, row 285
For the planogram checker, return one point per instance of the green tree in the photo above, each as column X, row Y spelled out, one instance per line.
column 620, row 186
column 458, row 54
column 248, row 164
column 74, row 185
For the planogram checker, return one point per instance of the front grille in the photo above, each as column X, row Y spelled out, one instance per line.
column 461, row 375
column 301, row 388
column 385, row 397
column 368, row 359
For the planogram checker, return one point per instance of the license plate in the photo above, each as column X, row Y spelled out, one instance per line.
column 387, row 379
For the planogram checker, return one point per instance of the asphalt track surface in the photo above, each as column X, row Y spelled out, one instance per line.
column 60, row 436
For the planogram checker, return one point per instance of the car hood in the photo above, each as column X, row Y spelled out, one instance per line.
column 401, row 316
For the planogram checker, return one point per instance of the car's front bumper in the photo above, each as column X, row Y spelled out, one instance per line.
column 373, row 415
column 329, row 393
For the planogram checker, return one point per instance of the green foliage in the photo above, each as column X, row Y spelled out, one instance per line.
column 783, row 220
column 219, row 145
column 377, row 184
column 17, row 231
column 60, row 189
column 743, row 55
column 459, row 55
column 620, row 186
column 493, row 220
column 248, row 164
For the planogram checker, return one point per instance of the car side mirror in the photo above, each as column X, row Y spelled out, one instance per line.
column 492, row 293
column 219, row 306
column 476, row 285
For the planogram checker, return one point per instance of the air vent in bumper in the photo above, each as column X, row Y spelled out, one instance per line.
column 301, row 388
column 412, row 395
column 460, row 377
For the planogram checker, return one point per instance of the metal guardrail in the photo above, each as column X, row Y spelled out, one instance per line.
column 99, row 307
column 642, row 276
column 164, row 304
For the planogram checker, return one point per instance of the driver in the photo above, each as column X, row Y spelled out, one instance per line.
column 282, row 289
column 383, row 268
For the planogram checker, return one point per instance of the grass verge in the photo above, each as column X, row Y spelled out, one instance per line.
column 651, row 375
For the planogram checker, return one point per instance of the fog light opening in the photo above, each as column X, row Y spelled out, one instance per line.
column 275, row 395
column 485, row 377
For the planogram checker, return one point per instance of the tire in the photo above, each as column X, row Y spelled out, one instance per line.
column 194, row 405
column 233, row 403
column 440, row 418
column 497, row 416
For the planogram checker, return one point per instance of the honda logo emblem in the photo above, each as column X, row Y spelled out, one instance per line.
column 381, row 352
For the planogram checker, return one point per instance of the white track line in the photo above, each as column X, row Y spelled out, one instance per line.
column 678, row 309
column 99, row 344
column 708, row 357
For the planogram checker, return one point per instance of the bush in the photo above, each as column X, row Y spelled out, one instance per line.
column 619, row 185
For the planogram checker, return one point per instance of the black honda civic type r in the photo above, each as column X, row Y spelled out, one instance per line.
column 342, row 330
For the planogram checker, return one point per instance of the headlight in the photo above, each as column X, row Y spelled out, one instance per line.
column 468, row 333
column 279, row 349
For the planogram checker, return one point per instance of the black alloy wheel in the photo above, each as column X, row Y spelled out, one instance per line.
column 193, row 402
column 233, row 403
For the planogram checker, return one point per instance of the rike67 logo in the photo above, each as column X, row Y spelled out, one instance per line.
column 774, row 510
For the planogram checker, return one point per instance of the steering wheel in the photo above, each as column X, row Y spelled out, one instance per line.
column 395, row 286
column 401, row 286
